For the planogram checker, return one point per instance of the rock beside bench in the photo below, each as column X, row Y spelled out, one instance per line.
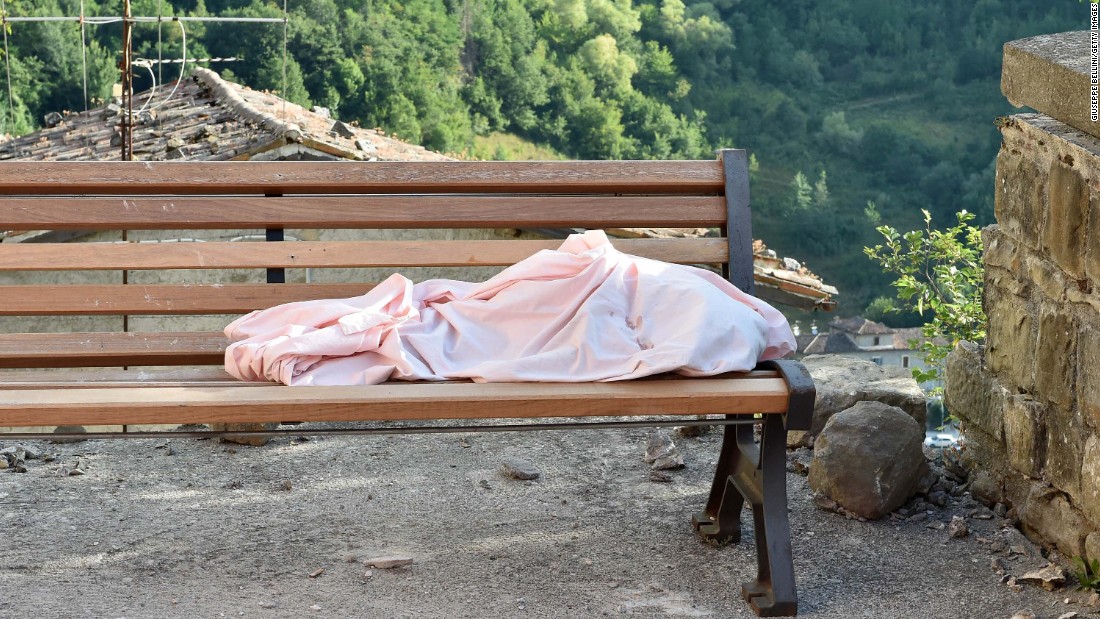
column 869, row 459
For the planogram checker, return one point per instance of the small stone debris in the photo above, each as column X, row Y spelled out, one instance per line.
column 388, row 563
column 22, row 452
column 1023, row 614
column 484, row 483
column 342, row 129
column 981, row 513
column 1000, row 510
column 660, row 477
column 1069, row 615
column 286, row 486
column 365, row 145
column 1094, row 600
column 351, row 558
column 1049, row 577
column 918, row 517
column 958, row 528
column 367, row 575
column 315, row 607
column 268, row 605
column 938, row 498
column 317, row 572
column 517, row 468
column 662, row 453
column 997, row 564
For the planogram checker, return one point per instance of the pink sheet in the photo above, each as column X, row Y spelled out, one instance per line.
column 584, row 312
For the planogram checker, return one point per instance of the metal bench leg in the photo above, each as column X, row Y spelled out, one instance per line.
column 772, row 594
column 758, row 475
column 720, row 521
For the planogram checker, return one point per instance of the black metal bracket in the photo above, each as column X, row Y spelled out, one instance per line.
column 803, row 393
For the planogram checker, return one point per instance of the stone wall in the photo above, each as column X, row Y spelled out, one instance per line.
column 1029, row 400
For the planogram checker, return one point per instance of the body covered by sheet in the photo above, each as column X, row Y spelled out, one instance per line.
column 584, row 312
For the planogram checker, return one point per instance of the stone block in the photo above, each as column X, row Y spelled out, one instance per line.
column 1049, row 515
column 971, row 393
column 998, row 280
column 1089, row 498
column 1067, row 212
column 1056, row 356
column 1001, row 250
column 1092, row 253
column 1010, row 341
column 1065, row 446
column 1021, row 196
column 1088, row 373
column 1048, row 278
column 1025, row 435
column 1050, row 73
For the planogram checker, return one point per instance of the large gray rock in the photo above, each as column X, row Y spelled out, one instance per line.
column 843, row 381
column 869, row 459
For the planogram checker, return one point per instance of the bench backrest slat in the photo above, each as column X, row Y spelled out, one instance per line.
column 303, row 177
column 431, row 211
column 306, row 254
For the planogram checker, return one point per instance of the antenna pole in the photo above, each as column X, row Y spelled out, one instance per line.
column 127, row 84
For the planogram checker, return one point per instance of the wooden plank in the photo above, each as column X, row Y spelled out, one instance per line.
column 298, row 177
column 46, row 407
column 129, row 378
column 391, row 254
column 71, row 350
column 163, row 299
column 231, row 212
column 132, row 378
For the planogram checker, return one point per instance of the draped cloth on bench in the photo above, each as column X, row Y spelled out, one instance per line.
column 584, row 312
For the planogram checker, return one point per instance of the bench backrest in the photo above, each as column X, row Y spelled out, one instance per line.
column 113, row 296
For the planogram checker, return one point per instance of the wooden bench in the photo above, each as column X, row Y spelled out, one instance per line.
column 82, row 322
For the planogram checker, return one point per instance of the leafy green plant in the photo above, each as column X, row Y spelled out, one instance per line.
column 939, row 272
column 1087, row 574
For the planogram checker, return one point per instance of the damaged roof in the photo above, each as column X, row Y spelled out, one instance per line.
column 209, row 119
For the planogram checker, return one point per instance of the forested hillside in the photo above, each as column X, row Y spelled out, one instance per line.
column 857, row 111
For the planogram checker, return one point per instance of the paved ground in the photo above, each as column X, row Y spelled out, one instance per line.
column 195, row 528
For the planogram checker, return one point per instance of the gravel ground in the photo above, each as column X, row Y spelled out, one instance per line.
column 197, row 528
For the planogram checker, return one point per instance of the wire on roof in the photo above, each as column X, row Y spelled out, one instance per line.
column 286, row 29
column 84, row 55
column 7, row 67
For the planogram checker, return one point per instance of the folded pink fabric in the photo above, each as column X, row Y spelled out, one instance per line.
column 584, row 312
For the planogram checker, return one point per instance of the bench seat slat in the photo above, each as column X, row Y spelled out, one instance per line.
column 228, row 212
column 109, row 377
column 162, row 299
column 390, row 254
column 190, row 377
column 296, row 177
column 420, row 401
